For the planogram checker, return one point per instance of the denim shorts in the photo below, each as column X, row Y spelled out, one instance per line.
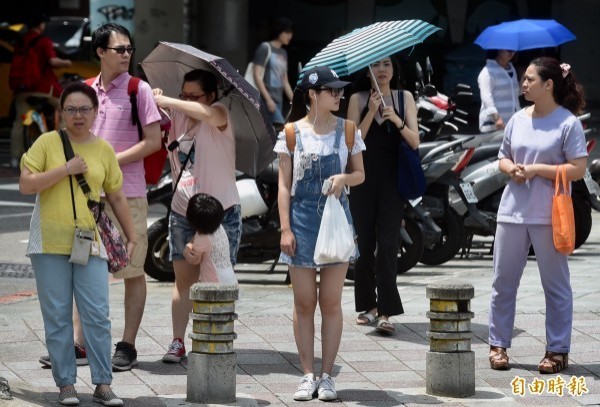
column 180, row 234
column 232, row 223
column 305, row 221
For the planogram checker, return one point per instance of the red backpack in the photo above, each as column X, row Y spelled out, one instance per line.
column 25, row 70
column 155, row 162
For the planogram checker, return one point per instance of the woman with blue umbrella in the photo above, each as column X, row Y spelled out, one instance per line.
column 499, row 90
column 498, row 82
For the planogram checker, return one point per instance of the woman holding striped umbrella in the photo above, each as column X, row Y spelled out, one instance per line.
column 386, row 116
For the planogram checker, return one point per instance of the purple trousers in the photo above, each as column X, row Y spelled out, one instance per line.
column 511, row 247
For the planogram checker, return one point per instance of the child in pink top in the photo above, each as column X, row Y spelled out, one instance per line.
column 210, row 247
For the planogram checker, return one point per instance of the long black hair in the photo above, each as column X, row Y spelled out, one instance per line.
column 300, row 101
column 567, row 91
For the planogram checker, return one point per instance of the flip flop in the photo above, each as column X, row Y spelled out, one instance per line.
column 365, row 318
column 385, row 327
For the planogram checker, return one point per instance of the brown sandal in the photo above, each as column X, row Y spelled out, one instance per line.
column 553, row 362
column 498, row 358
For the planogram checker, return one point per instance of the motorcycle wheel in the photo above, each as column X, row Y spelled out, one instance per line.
column 30, row 135
column 409, row 255
column 451, row 240
column 157, row 264
column 582, row 210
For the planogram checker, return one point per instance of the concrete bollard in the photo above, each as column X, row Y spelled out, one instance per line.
column 212, row 362
column 450, row 363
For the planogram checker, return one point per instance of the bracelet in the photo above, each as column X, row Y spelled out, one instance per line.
column 68, row 168
column 403, row 124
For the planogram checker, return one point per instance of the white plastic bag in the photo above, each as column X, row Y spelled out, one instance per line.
column 335, row 242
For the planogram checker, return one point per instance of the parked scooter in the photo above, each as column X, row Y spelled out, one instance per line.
column 440, row 116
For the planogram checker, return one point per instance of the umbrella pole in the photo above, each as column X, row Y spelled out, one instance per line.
column 374, row 81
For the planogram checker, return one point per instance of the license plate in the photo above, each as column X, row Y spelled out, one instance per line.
column 469, row 193
column 591, row 185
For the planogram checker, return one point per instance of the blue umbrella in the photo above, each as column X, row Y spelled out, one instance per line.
column 524, row 34
column 366, row 45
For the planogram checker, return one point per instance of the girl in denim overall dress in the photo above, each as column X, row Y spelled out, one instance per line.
column 319, row 154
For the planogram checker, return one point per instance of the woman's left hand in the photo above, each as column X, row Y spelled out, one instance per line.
column 337, row 185
column 390, row 114
column 130, row 248
column 527, row 171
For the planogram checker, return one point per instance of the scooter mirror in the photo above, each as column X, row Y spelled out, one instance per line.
column 430, row 90
column 419, row 71
column 428, row 66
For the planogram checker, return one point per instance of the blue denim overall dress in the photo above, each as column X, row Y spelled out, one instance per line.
column 308, row 201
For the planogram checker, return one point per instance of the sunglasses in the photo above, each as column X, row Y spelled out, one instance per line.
column 335, row 92
column 193, row 98
column 83, row 110
column 122, row 50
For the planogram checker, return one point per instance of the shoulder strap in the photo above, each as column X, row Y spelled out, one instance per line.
column 290, row 137
column 268, row 55
column 350, row 129
column 68, row 150
column 132, row 89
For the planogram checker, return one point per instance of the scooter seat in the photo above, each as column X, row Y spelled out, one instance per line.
column 427, row 146
column 484, row 152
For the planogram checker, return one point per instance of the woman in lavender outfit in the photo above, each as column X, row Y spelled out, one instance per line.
column 537, row 139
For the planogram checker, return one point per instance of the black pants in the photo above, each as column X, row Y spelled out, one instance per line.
column 377, row 211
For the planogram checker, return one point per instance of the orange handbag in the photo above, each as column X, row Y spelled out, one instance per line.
column 563, row 219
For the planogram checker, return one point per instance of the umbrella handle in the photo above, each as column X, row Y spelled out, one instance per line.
column 374, row 82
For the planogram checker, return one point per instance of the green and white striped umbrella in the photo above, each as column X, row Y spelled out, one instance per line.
column 364, row 46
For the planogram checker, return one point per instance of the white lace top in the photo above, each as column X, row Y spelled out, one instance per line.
column 215, row 263
column 321, row 144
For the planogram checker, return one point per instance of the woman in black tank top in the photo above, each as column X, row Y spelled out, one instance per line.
column 376, row 205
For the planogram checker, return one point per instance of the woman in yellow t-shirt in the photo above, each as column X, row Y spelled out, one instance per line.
column 60, row 207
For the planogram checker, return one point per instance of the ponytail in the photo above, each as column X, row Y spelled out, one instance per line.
column 573, row 97
column 299, row 103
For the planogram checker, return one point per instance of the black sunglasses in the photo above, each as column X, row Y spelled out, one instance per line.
column 122, row 50
column 335, row 92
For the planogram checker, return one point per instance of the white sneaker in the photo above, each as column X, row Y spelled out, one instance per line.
column 326, row 388
column 307, row 388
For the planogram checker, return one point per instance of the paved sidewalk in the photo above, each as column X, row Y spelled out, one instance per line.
column 370, row 370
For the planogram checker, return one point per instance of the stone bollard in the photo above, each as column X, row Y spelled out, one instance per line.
column 212, row 362
column 450, row 363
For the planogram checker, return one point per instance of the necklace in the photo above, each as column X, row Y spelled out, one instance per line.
column 314, row 128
